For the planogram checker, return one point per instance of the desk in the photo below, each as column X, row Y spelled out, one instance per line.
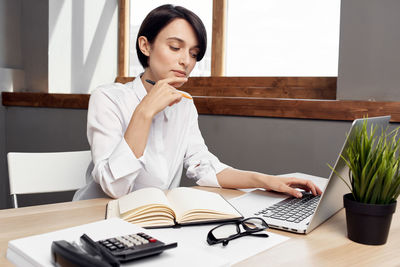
column 327, row 245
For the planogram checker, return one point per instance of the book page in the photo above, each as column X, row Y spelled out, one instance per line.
column 112, row 209
column 141, row 198
column 192, row 205
column 145, row 207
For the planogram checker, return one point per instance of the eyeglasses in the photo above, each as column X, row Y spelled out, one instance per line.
column 229, row 231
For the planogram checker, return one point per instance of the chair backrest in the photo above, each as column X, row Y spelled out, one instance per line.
column 47, row 172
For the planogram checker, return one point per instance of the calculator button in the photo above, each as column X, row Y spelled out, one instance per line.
column 152, row 240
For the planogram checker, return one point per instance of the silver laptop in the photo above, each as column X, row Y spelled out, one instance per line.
column 310, row 212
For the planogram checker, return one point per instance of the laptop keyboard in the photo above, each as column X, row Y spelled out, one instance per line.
column 291, row 209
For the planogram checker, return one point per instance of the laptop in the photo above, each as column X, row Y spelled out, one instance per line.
column 303, row 215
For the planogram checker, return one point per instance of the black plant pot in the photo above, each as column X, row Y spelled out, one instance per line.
column 368, row 223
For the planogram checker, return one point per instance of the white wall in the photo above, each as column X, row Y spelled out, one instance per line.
column 82, row 44
column 60, row 46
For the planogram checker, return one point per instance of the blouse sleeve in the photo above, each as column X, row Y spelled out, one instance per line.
column 115, row 165
column 200, row 163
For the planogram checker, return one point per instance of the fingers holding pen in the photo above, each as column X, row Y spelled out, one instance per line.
column 165, row 88
column 163, row 94
column 175, row 82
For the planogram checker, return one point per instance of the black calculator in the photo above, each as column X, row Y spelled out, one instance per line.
column 107, row 252
column 134, row 246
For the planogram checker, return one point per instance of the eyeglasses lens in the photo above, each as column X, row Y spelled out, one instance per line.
column 225, row 231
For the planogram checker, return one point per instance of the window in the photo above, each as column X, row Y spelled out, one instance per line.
column 278, row 38
column 282, row 38
column 138, row 11
column 276, row 94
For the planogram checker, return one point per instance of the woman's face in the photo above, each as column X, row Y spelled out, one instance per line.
column 173, row 52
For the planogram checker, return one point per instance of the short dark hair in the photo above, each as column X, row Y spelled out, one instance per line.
column 160, row 17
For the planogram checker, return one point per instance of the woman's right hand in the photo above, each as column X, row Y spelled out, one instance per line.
column 161, row 95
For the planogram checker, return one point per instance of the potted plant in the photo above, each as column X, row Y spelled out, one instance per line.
column 374, row 182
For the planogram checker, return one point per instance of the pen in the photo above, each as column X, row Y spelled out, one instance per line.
column 151, row 82
column 182, row 93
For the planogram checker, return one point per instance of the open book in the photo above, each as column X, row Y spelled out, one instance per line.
column 151, row 207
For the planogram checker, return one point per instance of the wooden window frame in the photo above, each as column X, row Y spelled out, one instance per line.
column 287, row 97
column 278, row 97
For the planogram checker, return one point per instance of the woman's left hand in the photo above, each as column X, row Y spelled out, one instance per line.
column 288, row 184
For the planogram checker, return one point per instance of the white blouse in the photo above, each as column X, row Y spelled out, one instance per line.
column 174, row 142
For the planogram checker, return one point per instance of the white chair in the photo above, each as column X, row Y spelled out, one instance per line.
column 46, row 172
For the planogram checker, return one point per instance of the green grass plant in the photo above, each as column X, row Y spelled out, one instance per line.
column 373, row 161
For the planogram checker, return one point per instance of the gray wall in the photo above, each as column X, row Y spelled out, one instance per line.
column 10, row 57
column 10, row 33
column 268, row 145
column 273, row 145
column 34, row 30
column 369, row 56
column 24, row 40
column 44, row 130
column 3, row 166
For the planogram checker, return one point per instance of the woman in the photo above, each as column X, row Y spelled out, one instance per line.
column 145, row 132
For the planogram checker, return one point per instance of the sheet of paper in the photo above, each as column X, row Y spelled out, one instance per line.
column 236, row 251
column 36, row 250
